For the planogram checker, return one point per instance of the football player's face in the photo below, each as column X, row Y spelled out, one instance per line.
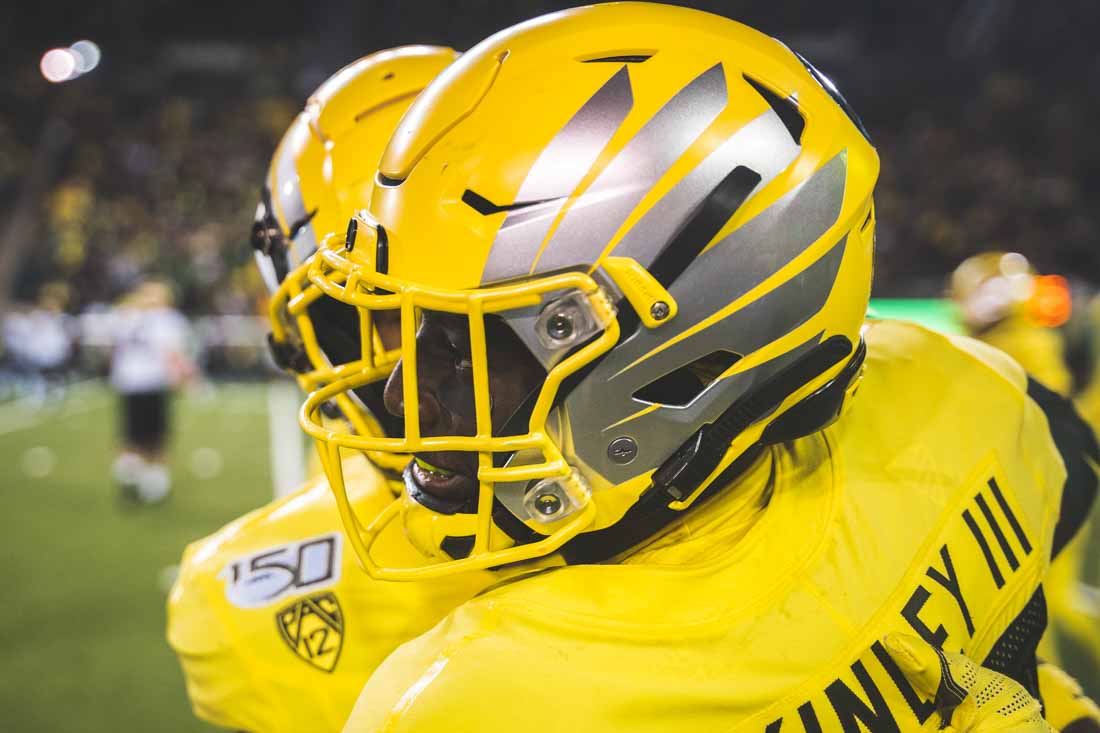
column 445, row 390
column 388, row 324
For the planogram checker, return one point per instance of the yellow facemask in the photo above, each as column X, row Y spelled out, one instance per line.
column 317, row 179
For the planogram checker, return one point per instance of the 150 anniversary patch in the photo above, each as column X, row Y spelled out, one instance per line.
column 265, row 577
column 313, row 628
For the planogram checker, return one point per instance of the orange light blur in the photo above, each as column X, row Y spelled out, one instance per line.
column 1050, row 304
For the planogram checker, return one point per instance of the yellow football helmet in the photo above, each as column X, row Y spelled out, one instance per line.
column 321, row 172
column 671, row 211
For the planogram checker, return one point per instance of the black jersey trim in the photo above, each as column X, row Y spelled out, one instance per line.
column 1077, row 445
column 1013, row 654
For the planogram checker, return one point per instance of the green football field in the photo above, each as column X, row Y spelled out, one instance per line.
column 82, row 640
column 82, row 635
column 85, row 580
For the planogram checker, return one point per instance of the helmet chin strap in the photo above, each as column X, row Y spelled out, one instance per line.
column 698, row 457
column 647, row 517
column 820, row 409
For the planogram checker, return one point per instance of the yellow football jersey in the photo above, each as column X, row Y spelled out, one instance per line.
column 275, row 625
column 928, row 508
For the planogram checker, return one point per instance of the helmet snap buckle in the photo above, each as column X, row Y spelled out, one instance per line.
column 567, row 321
column 551, row 499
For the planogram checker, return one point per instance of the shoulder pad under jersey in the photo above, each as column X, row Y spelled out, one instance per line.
column 276, row 626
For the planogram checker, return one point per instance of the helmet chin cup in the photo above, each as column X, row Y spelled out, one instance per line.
column 365, row 542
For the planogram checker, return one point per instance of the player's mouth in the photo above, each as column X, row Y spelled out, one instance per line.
column 446, row 474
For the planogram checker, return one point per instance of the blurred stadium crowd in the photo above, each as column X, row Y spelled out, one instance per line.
column 998, row 171
column 166, row 189
column 155, row 168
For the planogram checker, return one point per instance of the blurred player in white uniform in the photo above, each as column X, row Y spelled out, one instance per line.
column 39, row 342
column 149, row 360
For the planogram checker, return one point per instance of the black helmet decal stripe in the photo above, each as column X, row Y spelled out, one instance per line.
column 762, row 145
column 770, row 240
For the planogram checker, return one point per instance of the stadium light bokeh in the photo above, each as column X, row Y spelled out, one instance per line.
column 88, row 55
column 58, row 65
column 65, row 64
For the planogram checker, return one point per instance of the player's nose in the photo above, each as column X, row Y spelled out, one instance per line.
column 393, row 396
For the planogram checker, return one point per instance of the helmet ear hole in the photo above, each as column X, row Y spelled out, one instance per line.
column 680, row 387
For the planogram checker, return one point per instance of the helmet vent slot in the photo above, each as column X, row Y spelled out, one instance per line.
column 785, row 107
column 830, row 89
column 679, row 388
column 457, row 547
column 704, row 222
column 632, row 58
column 485, row 207
column 618, row 56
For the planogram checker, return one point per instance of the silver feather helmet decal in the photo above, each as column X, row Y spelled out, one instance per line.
column 633, row 172
column 760, row 149
column 605, row 399
column 554, row 176
column 605, row 402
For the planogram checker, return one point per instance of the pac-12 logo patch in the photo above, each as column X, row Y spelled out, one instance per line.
column 313, row 627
